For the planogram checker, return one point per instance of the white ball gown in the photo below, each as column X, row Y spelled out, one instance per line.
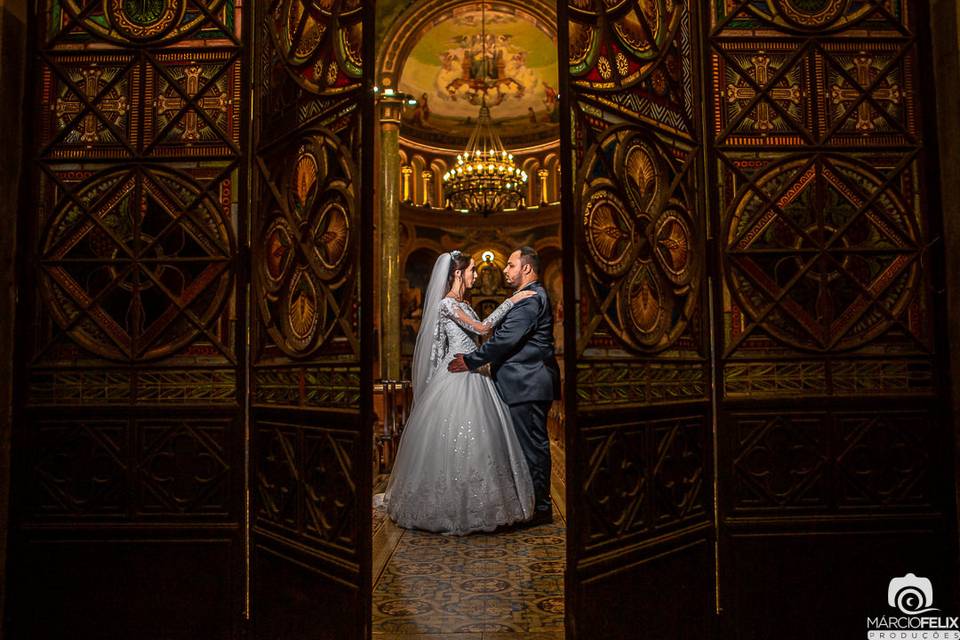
column 459, row 468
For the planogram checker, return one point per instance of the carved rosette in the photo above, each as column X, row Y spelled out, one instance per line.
column 135, row 263
column 823, row 255
column 304, row 255
column 301, row 29
column 816, row 16
column 639, row 240
column 138, row 22
column 639, row 35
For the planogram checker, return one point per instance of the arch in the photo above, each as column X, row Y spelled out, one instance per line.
column 439, row 167
column 551, row 163
column 419, row 165
column 532, row 165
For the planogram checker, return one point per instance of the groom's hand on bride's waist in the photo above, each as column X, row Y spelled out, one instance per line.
column 457, row 365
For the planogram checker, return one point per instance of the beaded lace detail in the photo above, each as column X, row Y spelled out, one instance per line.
column 451, row 335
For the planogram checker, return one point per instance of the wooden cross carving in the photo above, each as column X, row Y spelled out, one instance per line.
column 743, row 93
column 865, row 74
column 116, row 106
column 191, row 122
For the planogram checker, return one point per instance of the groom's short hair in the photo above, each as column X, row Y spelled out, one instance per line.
column 529, row 255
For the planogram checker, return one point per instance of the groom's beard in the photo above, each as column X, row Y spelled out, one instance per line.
column 521, row 287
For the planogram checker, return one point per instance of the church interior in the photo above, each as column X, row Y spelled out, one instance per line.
column 218, row 219
column 479, row 585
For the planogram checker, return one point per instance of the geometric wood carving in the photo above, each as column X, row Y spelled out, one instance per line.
column 135, row 263
column 823, row 254
column 307, row 246
column 643, row 478
column 832, row 462
column 305, row 486
column 185, row 467
column 640, row 240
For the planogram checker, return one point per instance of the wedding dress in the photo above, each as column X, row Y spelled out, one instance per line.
column 459, row 468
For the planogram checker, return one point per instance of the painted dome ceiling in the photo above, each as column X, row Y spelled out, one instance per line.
column 441, row 59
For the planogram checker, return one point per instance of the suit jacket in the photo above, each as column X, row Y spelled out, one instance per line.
column 521, row 353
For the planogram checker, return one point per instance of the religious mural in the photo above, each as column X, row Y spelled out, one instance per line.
column 456, row 65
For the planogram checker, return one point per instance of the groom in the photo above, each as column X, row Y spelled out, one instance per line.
column 520, row 354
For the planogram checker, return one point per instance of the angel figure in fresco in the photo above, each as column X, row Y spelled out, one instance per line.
column 421, row 114
column 448, row 60
column 552, row 101
column 550, row 97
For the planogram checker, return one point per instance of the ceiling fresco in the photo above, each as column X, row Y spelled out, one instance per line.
column 450, row 72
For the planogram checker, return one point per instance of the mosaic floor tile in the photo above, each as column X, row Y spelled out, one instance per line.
column 431, row 636
column 379, row 519
column 502, row 585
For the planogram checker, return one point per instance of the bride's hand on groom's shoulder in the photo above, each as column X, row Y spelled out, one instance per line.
column 522, row 295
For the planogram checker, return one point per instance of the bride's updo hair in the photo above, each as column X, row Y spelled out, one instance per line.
column 458, row 262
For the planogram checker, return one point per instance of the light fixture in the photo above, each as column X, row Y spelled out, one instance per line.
column 485, row 179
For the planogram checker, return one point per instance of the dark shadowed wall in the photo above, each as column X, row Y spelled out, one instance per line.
column 945, row 23
column 13, row 32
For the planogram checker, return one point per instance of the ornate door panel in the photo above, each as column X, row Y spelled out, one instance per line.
column 639, row 448
column 832, row 433
column 129, row 469
column 311, row 375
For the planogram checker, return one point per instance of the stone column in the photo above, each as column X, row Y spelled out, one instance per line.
column 391, row 108
column 407, row 172
column 543, row 174
column 427, row 176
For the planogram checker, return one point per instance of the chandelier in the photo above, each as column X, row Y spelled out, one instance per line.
column 485, row 179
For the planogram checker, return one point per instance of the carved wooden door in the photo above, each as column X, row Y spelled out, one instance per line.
column 637, row 342
column 129, row 438
column 779, row 495
column 833, row 438
column 311, row 461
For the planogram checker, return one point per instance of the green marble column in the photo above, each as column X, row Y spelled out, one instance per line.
column 391, row 108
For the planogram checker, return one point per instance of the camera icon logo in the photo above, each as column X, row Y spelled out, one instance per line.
column 911, row 595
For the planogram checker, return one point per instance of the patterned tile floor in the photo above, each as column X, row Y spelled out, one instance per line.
column 502, row 586
column 379, row 520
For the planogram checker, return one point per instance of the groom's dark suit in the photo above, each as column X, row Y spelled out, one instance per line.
column 521, row 357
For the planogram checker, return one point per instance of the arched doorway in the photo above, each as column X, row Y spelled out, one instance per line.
column 429, row 60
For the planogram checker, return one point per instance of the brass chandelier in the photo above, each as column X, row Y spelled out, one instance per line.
column 485, row 179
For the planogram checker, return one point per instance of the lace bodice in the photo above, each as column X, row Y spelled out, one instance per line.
column 452, row 336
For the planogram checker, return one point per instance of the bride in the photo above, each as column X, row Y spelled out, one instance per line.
column 459, row 468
